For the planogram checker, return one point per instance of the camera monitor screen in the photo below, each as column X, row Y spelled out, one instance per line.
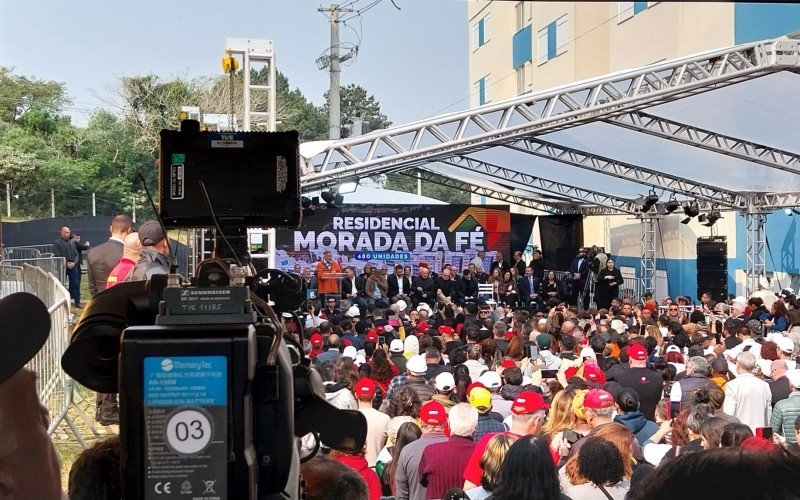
column 252, row 178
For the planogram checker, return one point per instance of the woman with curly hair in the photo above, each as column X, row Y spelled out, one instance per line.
column 599, row 472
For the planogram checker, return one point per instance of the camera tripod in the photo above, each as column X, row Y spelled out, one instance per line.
column 588, row 290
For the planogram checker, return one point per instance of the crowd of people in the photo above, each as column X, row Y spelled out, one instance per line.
column 468, row 399
column 540, row 399
column 127, row 255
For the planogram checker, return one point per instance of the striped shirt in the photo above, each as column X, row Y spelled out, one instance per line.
column 442, row 465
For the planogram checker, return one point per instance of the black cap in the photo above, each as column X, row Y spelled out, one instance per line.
column 150, row 233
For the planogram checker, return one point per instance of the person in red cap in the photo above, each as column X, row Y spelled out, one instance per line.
column 598, row 407
column 648, row 384
column 528, row 414
column 316, row 345
column 376, row 421
column 592, row 372
column 442, row 464
column 433, row 417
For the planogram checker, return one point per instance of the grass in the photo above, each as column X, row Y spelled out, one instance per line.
column 67, row 447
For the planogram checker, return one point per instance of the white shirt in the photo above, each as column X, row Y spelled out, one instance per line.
column 755, row 350
column 399, row 285
column 353, row 289
column 749, row 399
column 376, row 433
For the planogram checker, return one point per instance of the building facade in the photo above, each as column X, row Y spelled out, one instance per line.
column 520, row 47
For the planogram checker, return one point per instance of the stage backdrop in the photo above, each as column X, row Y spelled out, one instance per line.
column 392, row 234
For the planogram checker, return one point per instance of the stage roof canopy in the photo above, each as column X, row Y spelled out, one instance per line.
column 719, row 128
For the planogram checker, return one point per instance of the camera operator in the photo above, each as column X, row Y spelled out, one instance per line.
column 153, row 256
column 579, row 269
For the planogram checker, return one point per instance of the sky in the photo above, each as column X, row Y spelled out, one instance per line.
column 413, row 60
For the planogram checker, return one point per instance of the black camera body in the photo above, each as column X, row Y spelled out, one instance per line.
column 213, row 390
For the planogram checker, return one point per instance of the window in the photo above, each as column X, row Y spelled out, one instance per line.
column 524, row 75
column 629, row 9
column 482, row 90
column 481, row 32
column 625, row 11
column 542, row 43
column 553, row 39
column 524, row 11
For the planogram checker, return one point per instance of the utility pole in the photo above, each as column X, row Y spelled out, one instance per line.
column 52, row 203
column 332, row 62
column 94, row 206
column 8, row 199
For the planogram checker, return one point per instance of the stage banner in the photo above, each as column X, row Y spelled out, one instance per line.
column 397, row 234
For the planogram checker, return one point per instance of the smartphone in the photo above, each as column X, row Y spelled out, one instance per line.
column 674, row 409
column 764, row 432
column 549, row 373
column 381, row 340
column 533, row 351
column 571, row 436
column 394, row 317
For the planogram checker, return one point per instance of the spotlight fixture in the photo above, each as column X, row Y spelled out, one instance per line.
column 332, row 197
column 309, row 205
column 672, row 205
column 649, row 201
column 691, row 209
column 711, row 218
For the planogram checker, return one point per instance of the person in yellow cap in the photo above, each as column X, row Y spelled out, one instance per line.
column 488, row 421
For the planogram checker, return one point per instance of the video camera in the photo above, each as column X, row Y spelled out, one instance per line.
column 213, row 391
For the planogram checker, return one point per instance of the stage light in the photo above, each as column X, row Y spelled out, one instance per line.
column 309, row 205
column 649, row 201
column 672, row 205
column 691, row 209
column 332, row 197
column 712, row 218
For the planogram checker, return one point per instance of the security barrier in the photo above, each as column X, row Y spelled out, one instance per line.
column 55, row 389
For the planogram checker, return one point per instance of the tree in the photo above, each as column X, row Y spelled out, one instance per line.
column 149, row 105
column 21, row 94
column 356, row 102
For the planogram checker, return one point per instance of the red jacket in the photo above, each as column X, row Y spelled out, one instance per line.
column 359, row 464
column 120, row 272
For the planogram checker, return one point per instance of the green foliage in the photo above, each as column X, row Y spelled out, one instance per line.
column 40, row 149
column 356, row 102
column 21, row 94
column 406, row 184
column 295, row 112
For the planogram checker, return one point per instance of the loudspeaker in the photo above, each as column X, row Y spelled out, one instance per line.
column 712, row 267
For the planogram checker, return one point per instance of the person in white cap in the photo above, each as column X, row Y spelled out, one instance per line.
column 444, row 383
column 414, row 378
column 786, row 351
column 492, row 381
column 396, row 348
column 787, row 412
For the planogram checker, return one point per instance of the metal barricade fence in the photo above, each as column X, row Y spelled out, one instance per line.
column 630, row 288
column 55, row 389
column 57, row 266
column 27, row 251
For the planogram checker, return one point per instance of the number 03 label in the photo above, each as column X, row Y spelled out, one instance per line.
column 189, row 431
